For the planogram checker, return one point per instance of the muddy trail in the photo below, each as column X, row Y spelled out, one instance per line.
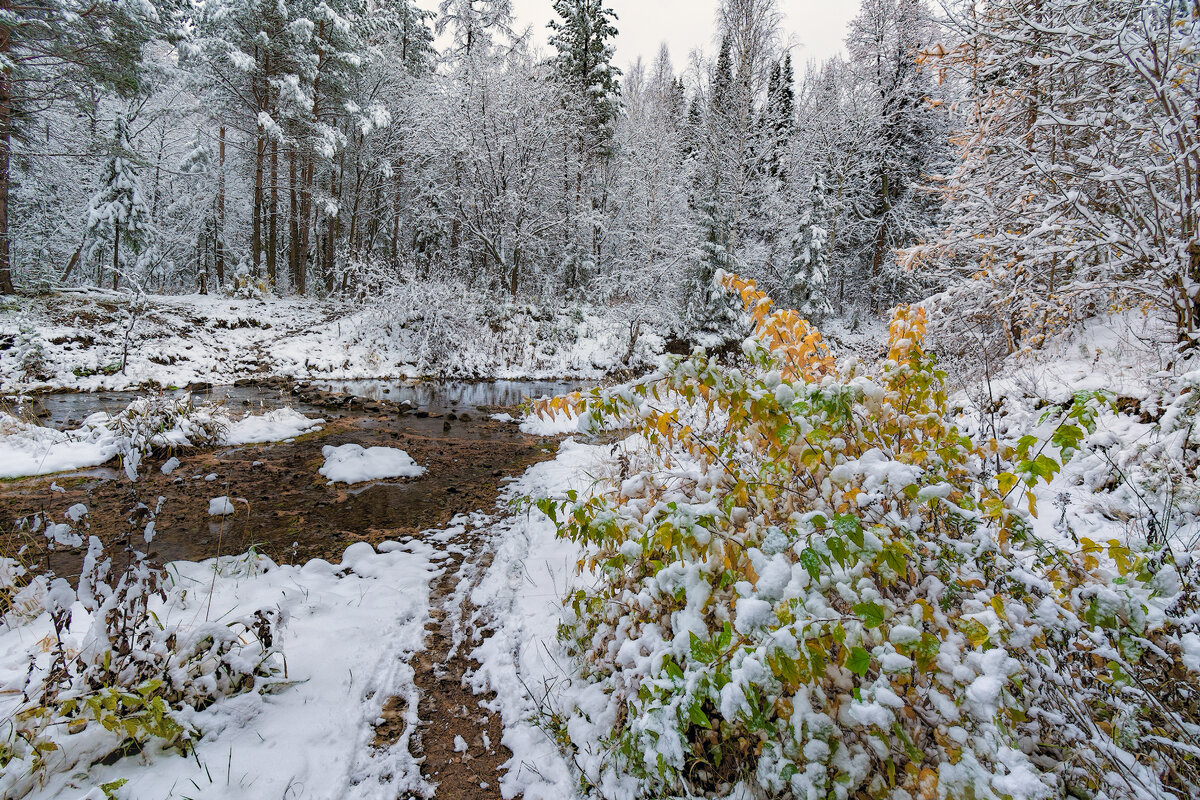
column 458, row 742
column 286, row 510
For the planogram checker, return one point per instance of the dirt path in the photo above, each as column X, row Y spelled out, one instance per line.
column 458, row 741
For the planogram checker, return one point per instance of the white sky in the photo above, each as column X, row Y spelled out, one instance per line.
column 817, row 27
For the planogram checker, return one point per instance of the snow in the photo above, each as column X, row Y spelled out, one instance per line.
column 273, row 426
column 27, row 449
column 552, row 425
column 442, row 331
column 522, row 593
column 352, row 463
column 30, row 449
column 220, row 507
column 311, row 736
column 375, row 606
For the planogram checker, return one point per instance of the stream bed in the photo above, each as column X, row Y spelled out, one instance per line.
column 284, row 508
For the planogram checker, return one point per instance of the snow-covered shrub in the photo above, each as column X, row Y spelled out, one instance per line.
column 157, row 423
column 246, row 286
column 134, row 679
column 810, row 580
column 450, row 329
column 1148, row 475
column 29, row 349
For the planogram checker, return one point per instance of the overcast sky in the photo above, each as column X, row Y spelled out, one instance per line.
column 816, row 26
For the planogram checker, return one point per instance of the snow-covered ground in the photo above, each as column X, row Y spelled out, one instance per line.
column 353, row 463
column 1142, row 427
column 31, row 449
column 310, row 736
column 80, row 340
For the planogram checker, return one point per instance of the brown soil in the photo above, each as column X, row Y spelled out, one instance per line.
column 292, row 515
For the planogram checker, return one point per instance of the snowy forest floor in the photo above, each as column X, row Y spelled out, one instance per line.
column 109, row 340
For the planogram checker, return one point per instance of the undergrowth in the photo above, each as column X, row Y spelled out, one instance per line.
column 812, row 581
column 134, row 680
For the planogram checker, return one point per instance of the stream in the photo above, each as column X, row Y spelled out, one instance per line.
column 289, row 511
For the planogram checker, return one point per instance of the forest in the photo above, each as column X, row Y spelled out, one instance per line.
column 409, row 399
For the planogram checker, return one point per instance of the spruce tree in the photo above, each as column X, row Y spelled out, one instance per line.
column 708, row 307
column 810, row 260
column 583, row 36
column 59, row 47
column 118, row 214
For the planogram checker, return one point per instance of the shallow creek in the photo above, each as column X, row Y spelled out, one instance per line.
column 290, row 512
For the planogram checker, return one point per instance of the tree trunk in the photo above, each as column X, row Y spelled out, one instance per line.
column 294, row 256
column 219, row 233
column 260, row 154
column 71, row 264
column 396, row 211
column 273, row 219
column 514, row 272
column 6, row 284
column 116, row 248
column 305, row 221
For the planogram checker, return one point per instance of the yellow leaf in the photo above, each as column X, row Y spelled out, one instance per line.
column 998, row 606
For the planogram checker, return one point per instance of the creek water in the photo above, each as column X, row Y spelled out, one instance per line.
column 283, row 506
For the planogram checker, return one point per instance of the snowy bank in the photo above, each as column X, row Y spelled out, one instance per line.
column 30, row 449
column 312, row 732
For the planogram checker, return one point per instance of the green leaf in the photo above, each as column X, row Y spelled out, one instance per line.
column 859, row 661
column 811, row 562
column 837, row 548
column 702, row 651
column 697, row 716
column 725, row 638
column 849, row 526
column 870, row 613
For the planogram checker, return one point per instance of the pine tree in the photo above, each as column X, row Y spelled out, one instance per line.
column 118, row 214
column 810, row 261
column 582, row 36
column 709, row 308
column 472, row 23
column 908, row 140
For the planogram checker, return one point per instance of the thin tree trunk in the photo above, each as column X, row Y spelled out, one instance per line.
column 219, row 234
column 6, row 284
column 256, row 233
column 305, row 221
column 294, row 223
column 273, row 219
column 116, row 248
column 331, row 235
column 396, row 214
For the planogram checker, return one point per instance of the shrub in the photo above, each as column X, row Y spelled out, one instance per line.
column 29, row 349
column 159, row 423
column 134, row 681
column 811, row 579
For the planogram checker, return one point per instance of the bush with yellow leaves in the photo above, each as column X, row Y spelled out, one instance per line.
column 811, row 581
